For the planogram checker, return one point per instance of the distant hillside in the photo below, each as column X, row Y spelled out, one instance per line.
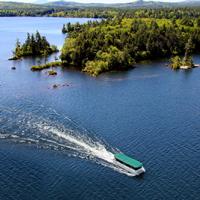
column 62, row 5
column 14, row 5
column 135, row 4
column 189, row 3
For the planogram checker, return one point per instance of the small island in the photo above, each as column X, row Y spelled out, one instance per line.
column 46, row 66
column 34, row 45
column 187, row 62
column 52, row 73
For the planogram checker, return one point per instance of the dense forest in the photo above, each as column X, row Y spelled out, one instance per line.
column 23, row 9
column 117, row 43
column 34, row 45
column 110, row 13
column 88, row 13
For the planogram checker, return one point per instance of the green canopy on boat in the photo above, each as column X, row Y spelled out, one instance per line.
column 128, row 161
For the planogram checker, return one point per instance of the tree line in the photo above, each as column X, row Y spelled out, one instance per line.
column 21, row 9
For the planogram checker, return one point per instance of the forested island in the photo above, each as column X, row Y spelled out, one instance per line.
column 117, row 43
column 34, row 45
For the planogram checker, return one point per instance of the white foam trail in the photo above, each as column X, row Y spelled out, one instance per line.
column 46, row 133
column 97, row 151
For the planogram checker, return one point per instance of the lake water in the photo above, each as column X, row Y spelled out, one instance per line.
column 57, row 143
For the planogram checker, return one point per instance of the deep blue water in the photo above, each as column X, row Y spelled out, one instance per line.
column 151, row 113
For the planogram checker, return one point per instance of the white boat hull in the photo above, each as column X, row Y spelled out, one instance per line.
column 130, row 171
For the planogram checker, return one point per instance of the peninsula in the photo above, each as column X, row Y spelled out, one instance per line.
column 120, row 42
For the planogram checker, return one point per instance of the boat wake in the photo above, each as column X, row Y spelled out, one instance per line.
column 48, row 132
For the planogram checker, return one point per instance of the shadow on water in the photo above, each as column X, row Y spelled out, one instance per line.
column 140, row 177
column 188, row 72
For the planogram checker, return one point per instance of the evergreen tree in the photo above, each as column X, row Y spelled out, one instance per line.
column 17, row 51
column 187, row 60
column 38, row 40
column 64, row 29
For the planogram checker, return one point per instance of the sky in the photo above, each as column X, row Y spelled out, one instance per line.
column 93, row 1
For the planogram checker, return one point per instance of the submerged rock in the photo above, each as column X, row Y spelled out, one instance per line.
column 55, row 86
